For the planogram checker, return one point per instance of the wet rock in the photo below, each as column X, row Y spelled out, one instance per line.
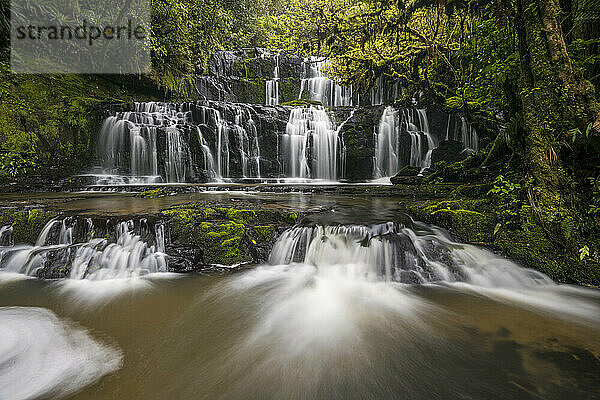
column 408, row 176
column 449, row 151
column 358, row 138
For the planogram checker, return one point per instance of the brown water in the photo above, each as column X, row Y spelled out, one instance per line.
column 209, row 338
column 321, row 329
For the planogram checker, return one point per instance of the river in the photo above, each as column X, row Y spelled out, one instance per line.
column 356, row 302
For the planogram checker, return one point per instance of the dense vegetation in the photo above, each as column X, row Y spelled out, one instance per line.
column 530, row 67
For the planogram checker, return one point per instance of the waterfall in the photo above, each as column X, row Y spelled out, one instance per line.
column 386, row 144
column 6, row 232
column 460, row 129
column 211, row 117
column 98, row 258
column 393, row 252
column 127, row 258
column 390, row 156
column 385, row 90
column 468, row 135
column 128, row 145
column 272, row 85
column 310, row 124
column 209, row 161
column 178, row 162
column 255, row 147
column 321, row 88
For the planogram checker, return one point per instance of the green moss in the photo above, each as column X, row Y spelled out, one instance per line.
column 264, row 232
column 48, row 122
column 292, row 217
column 239, row 216
column 225, row 235
column 153, row 193
column 222, row 242
column 188, row 216
column 27, row 225
column 470, row 225
column 301, row 103
column 470, row 219
column 288, row 89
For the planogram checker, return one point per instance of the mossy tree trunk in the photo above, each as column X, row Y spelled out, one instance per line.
column 555, row 99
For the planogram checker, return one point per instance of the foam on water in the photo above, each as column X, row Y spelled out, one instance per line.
column 43, row 356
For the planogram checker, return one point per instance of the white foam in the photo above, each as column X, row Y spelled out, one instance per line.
column 44, row 356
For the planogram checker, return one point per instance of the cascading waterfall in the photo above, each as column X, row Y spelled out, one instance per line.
column 431, row 142
column 272, row 85
column 386, row 144
column 178, row 161
column 393, row 252
column 173, row 142
column 469, row 135
column 458, row 128
column 204, row 141
column 129, row 257
column 96, row 259
column 310, row 125
column 6, row 235
column 241, row 132
column 321, row 88
column 385, row 91
column 209, row 161
column 389, row 154
column 128, row 144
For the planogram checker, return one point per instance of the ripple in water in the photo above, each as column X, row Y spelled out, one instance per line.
column 43, row 356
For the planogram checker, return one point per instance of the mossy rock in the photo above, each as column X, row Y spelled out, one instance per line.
column 240, row 216
column 264, row 232
column 409, row 170
column 226, row 236
column 459, row 217
column 301, row 103
column 223, row 243
column 289, row 89
column 27, row 224
column 153, row 193
column 185, row 217
column 471, row 226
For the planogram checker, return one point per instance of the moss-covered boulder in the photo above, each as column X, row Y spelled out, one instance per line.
column 459, row 217
column 202, row 235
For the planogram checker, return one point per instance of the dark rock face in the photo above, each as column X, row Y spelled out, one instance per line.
column 240, row 75
column 255, row 63
column 263, row 122
column 358, row 137
column 438, row 122
column 449, row 151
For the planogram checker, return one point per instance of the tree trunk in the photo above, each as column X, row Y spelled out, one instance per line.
column 555, row 99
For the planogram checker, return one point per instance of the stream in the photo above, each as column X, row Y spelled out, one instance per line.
column 357, row 301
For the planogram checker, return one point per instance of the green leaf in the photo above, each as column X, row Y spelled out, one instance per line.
column 497, row 228
column 584, row 252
